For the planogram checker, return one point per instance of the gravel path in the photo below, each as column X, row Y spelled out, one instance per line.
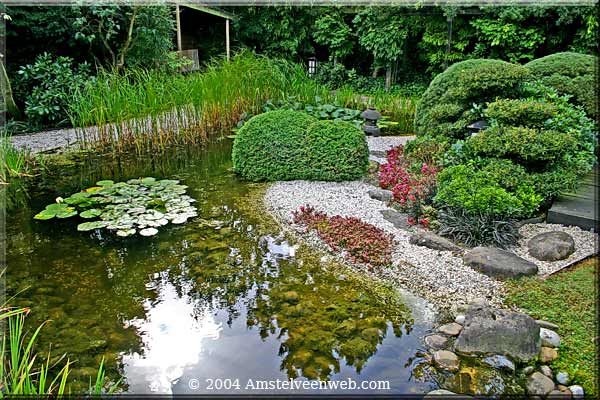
column 438, row 276
column 46, row 140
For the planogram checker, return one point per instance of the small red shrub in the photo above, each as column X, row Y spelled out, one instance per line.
column 363, row 242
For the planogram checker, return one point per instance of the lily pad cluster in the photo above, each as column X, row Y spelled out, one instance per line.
column 136, row 206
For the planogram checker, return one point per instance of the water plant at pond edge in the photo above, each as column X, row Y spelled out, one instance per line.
column 363, row 242
column 136, row 206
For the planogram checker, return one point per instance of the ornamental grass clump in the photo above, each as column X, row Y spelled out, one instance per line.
column 362, row 242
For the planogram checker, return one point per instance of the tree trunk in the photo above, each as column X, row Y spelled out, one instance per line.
column 375, row 72
column 388, row 78
column 11, row 106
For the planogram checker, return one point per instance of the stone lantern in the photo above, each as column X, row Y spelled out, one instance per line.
column 477, row 127
column 371, row 116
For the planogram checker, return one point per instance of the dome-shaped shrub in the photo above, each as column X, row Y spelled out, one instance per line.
column 444, row 107
column 289, row 145
column 569, row 73
column 337, row 151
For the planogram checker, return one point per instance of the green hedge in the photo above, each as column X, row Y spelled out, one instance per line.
column 444, row 109
column 521, row 112
column 569, row 73
column 289, row 145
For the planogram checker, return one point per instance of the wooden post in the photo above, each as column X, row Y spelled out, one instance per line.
column 178, row 27
column 227, row 37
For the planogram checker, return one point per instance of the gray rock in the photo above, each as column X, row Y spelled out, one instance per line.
column 499, row 362
column 436, row 342
column 445, row 394
column 399, row 220
column 446, row 360
column 551, row 246
column 460, row 319
column 546, row 324
column 528, row 370
column 381, row 195
column 431, row 240
column 577, row 391
column 539, row 384
column 496, row 262
column 549, row 338
column 546, row 370
column 548, row 354
column 451, row 329
column 562, row 377
column 557, row 394
column 491, row 330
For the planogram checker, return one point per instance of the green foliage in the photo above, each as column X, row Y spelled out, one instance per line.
column 571, row 74
column 331, row 31
column 568, row 299
column 443, row 108
column 48, row 86
column 526, row 145
column 477, row 229
column 13, row 162
column 520, row 112
column 483, row 191
column 428, row 150
column 336, row 151
column 288, row 145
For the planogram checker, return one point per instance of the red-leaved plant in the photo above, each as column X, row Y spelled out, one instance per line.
column 362, row 242
column 412, row 190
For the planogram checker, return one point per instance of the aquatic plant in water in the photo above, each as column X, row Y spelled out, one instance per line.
column 136, row 206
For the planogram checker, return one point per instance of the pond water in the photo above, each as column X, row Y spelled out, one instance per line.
column 212, row 306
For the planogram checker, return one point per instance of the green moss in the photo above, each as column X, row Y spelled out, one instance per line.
column 568, row 300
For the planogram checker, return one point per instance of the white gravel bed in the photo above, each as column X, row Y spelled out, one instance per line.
column 585, row 245
column 384, row 143
column 438, row 276
column 46, row 140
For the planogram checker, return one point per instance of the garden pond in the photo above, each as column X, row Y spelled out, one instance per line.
column 225, row 296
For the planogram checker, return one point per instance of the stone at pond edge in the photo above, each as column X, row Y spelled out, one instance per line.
column 528, row 370
column 557, row 394
column 549, row 338
column 445, row 394
column 562, row 377
column 548, row 354
column 433, row 241
column 546, row 324
column 499, row 362
column 436, row 342
column 491, row 330
column 460, row 319
column 551, row 246
column 451, row 329
column 381, row 195
column 577, row 391
column 399, row 220
column 546, row 370
column 446, row 360
column 497, row 262
column 539, row 384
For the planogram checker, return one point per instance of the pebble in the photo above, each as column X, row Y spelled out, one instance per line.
column 548, row 354
column 436, row 342
column 546, row 370
column 460, row 319
column 528, row 370
column 577, row 391
column 539, row 384
column 500, row 362
column 557, row 394
column 562, row 378
column 546, row 324
column 446, row 360
column 549, row 338
column 451, row 329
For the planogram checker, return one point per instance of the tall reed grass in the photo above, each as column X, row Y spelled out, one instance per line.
column 13, row 162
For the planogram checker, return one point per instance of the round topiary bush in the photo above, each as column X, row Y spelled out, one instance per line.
column 569, row 73
column 444, row 108
column 337, row 151
column 289, row 145
column 271, row 146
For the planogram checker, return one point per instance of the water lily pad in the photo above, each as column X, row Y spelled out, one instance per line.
column 149, row 232
column 93, row 189
column 125, row 233
column 148, row 181
column 44, row 215
column 89, row 226
column 92, row 213
column 180, row 219
column 106, row 182
column 66, row 213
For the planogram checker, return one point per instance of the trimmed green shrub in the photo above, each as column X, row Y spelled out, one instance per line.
column 336, row 151
column 289, row 145
column 480, row 192
column 521, row 112
column 569, row 73
column 527, row 145
column 271, row 147
column 426, row 149
column 444, row 109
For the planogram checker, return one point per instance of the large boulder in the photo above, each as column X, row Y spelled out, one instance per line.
column 491, row 330
column 499, row 263
column 551, row 246
column 539, row 384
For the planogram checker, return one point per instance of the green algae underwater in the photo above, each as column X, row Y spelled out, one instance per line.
column 226, row 296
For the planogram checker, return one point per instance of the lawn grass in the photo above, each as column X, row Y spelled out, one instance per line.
column 567, row 299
